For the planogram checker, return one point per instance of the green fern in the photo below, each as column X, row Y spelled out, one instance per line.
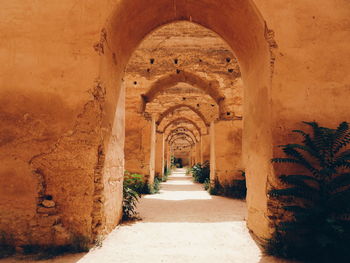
column 318, row 200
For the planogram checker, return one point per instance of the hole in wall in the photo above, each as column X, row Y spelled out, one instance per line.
column 151, row 61
column 48, row 197
column 178, row 71
column 228, row 113
column 148, row 70
column 135, row 82
column 176, row 61
column 230, row 70
column 228, row 60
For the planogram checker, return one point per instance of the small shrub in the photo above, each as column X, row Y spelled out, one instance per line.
column 236, row 189
column 153, row 188
column 317, row 199
column 134, row 187
column 7, row 247
column 130, row 200
column 201, row 172
column 156, row 185
column 166, row 174
column 136, row 182
column 206, row 184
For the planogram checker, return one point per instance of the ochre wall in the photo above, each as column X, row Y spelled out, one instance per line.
column 206, row 147
column 137, row 143
column 53, row 139
column 159, row 152
column 228, row 150
column 61, row 84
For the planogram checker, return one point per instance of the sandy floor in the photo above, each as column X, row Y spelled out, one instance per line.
column 181, row 224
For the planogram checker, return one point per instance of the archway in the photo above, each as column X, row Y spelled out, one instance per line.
column 182, row 135
column 172, row 109
column 182, row 129
column 212, row 88
column 182, row 119
column 245, row 32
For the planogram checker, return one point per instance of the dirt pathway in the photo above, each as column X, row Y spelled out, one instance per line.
column 182, row 223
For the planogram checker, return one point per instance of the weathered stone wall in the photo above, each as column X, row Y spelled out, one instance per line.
column 53, row 134
column 57, row 124
column 159, row 153
column 228, row 156
column 206, row 147
column 137, row 143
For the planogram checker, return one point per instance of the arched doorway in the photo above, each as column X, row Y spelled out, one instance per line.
column 245, row 33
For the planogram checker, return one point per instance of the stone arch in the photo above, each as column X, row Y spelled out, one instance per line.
column 171, row 136
column 172, row 109
column 241, row 25
column 183, row 119
column 177, row 136
column 185, row 130
column 212, row 88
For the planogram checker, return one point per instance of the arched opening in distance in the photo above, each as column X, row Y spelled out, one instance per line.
column 212, row 88
column 182, row 129
column 178, row 106
column 245, row 33
column 182, row 120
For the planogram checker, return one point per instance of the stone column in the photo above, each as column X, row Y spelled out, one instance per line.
column 163, row 153
column 191, row 156
column 201, row 149
column 212, row 151
column 152, row 161
column 197, row 155
column 168, row 154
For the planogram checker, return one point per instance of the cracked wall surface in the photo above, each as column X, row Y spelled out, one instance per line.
column 54, row 51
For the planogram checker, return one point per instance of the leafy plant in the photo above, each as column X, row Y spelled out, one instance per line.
column 130, row 200
column 201, row 172
column 133, row 186
column 136, row 182
column 166, row 174
column 215, row 188
column 172, row 162
column 318, row 199
column 206, row 184
column 236, row 189
column 155, row 187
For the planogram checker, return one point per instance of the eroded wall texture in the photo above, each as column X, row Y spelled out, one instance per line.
column 61, row 105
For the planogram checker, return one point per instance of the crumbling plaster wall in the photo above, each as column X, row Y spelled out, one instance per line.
column 50, row 66
column 54, row 140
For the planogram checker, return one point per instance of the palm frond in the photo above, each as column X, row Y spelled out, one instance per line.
column 296, row 192
column 319, row 202
column 339, row 181
column 299, row 177
column 297, row 180
column 341, row 137
column 344, row 156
